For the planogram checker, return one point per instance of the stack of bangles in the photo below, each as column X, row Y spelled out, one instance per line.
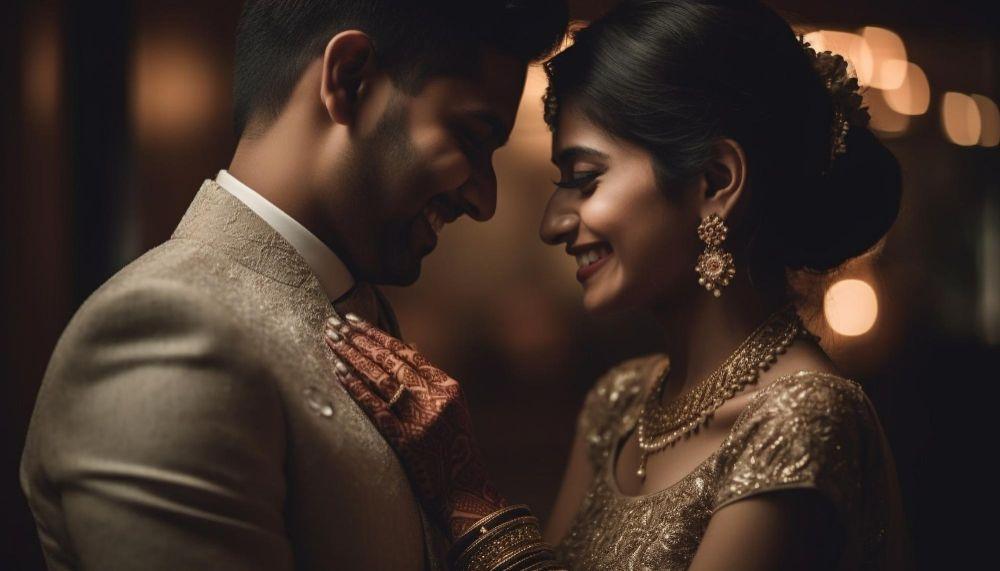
column 508, row 539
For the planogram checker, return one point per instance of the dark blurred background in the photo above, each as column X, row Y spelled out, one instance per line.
column 115, row 112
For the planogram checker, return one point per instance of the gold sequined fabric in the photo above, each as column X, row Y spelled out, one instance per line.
column 807, row 430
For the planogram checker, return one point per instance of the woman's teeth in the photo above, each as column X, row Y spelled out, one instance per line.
column 435, row 219
column 591, row 256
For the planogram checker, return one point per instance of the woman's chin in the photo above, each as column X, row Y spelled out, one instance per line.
column 599, row 303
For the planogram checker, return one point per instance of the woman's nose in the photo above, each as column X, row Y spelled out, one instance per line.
column 560, row 219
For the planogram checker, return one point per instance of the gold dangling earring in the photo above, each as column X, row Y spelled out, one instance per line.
column 715, row 265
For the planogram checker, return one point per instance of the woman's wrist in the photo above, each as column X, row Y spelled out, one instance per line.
column 468, row 507
column 508, row 538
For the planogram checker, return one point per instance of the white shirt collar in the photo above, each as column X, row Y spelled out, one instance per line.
column 333, row 275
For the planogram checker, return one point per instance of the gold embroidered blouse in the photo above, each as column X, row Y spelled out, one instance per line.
column 808, row 430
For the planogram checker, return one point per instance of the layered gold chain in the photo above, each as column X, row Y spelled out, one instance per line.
column 661, row 425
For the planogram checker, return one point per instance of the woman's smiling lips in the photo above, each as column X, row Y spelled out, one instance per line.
column 590, row 259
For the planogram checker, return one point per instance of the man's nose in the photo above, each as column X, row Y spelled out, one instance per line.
column 560, row 219
column 480, row 196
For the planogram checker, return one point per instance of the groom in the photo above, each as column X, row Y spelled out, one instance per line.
column 189, row 417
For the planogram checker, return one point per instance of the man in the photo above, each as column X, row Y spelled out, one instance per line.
column 189, row 417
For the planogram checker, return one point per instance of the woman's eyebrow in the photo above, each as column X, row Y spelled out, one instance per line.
column 575, row 152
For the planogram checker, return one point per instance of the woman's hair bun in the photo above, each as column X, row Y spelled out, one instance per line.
column 851, row 208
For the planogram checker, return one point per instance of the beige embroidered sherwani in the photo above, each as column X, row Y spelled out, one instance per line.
column 190, row 419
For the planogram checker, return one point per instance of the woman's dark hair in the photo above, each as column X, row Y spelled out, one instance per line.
column 414, row 41
column 674, row 76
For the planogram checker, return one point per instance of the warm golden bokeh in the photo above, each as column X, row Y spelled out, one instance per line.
column 888, row 57
column 913, row 96
column 850, row 307
column 851, row 47
column 989, row 115
column 960, row 118
column 175, row 88
column 885, row 120
column 42, row 79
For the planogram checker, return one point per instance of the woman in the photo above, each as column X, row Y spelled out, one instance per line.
column 688, row 135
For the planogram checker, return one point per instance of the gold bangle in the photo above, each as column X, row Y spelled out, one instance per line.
column 497, row 541
column 529, row 560
column 546, row 565
column 521, row 509
column 478, row 529
column 517, row 555
column 488, row 519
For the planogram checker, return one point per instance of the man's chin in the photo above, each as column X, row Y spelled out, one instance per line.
column 405, row 276
column 409, row 279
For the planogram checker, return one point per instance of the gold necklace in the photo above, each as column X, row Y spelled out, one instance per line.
column 661, row 425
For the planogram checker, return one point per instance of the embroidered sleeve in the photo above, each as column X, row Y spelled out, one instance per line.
column 613, row 402
column 811, row 431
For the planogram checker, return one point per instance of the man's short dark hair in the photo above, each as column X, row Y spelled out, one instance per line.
column 414, row 40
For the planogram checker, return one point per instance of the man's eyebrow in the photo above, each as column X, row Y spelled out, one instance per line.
column 499, row 130
column 570, row 153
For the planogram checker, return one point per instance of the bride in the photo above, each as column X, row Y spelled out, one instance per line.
column 690, row 136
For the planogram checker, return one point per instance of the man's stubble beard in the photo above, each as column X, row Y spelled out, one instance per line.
column 383, row 165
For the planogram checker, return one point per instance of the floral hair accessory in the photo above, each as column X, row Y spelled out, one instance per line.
column 844, row 90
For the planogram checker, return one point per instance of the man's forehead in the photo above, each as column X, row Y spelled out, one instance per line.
column 502, row 78
column 492, row 96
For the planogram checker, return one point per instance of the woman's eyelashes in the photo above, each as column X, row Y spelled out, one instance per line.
column 579, row 180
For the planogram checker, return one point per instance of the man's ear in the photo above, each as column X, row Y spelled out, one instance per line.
column 724, row 179
column 348, row 63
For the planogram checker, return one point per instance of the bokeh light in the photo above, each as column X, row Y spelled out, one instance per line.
column 960, row 119
column 885, row 120
column 42, row 82
column 175, row 89
column 888, row 57
column 851, row 47
column 893, row 72
column 851, row 307
column 913, row 96
column 989, row 116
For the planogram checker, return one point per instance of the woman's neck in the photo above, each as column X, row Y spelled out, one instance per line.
column 704, row 330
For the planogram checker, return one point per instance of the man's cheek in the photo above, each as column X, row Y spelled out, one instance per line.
column 443, row 160
column 452, row 172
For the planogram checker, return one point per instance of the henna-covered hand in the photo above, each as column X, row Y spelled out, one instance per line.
column 427, row 422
